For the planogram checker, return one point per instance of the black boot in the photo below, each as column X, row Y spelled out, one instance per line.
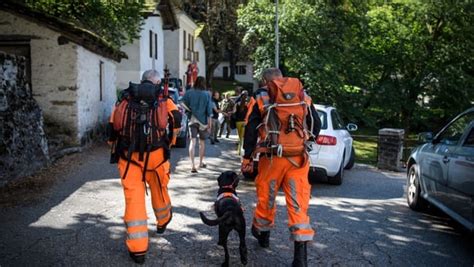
column 263, row 237
column 138, row 257
column 300, row 256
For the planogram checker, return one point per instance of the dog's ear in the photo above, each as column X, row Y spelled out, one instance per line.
column 220, row 180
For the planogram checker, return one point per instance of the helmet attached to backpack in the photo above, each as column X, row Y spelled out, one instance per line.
column 284, row 108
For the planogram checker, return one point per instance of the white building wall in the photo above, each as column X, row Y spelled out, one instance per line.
column 129, row 69
column 92, row 110
column 199, row 47
column 247, row 78
column 138, row 52
column 174, row 47
column 154, row 24
column 54, row 69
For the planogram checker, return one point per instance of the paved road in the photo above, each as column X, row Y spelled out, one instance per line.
column 365, row 221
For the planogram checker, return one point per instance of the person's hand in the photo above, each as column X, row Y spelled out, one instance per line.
column 247, row 166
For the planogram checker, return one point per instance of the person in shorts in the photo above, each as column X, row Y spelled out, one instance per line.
column 197, row 102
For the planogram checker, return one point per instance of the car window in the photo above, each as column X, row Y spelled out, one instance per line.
column 470, row 139
column 323, row 118
column 337, row 122
column 452, row 134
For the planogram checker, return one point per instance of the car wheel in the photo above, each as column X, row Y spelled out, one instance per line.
column 337, row 179
column 351, row 162
column 414, row 199
column 312, row 177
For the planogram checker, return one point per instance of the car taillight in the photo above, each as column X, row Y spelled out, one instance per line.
column 326, row 140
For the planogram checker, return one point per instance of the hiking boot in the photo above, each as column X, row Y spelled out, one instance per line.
column 263, row 237
column 300, row 256
column 138, row 257
column 162, row 229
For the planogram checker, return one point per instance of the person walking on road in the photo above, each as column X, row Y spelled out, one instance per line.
column 281, row 121
column 215, row 117
column 141, row 148
column 197, row 102
column 240, row 114
column 227, row 111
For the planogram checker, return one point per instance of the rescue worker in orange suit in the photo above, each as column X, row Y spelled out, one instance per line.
column 132, row 164
column 290, row 173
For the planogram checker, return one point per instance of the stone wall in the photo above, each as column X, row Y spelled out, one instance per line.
column 54, row 69
column 390, row 149
column 23, row 145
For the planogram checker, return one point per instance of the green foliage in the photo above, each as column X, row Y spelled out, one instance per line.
column 405, row 63
column 118, row 22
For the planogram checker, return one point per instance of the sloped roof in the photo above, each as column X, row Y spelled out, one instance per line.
column 168, row 15
column 71, row 32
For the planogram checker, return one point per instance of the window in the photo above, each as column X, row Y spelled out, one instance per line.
column 151, row 44
column 19, row 48
column 196, row 56
column 323, row 118
column 156, row 46
column 189, row 41
column 184, row 40
column 470, row 139
column 101, row 80
column 452, row 134
column 337, row 123
column 240, row 69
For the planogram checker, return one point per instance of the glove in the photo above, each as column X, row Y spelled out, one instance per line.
column 247, row 166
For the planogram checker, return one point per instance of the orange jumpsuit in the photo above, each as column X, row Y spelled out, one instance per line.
column 157, row 178
column 290, row 173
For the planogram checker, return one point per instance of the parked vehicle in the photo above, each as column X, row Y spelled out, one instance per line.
column 333, row 150
column 183, row 133
column 441, row 171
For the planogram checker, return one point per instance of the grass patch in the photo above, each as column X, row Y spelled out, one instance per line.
column 366, row 150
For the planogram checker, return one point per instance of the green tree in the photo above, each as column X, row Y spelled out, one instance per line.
column 118, row 22
column 397, row 63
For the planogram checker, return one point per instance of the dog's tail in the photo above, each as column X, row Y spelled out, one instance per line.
column 210, row 222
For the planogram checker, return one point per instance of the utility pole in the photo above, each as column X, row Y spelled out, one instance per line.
column 277, row 38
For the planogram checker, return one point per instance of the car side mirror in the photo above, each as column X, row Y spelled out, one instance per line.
column 425, row 137
column 352, row 127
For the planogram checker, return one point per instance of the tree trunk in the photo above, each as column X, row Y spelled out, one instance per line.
column 232, row 64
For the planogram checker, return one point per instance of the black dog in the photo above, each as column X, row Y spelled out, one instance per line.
column 230, row 215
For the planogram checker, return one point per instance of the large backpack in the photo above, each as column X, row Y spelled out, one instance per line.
column 283, row 131
column 141, row 118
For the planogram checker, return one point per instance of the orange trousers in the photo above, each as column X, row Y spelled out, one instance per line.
column 157, row 178
column 282, row 172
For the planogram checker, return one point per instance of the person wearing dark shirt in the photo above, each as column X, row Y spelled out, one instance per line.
column 240, row 114
column 215, row 117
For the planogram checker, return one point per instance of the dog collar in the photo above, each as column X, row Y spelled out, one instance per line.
column 227, row 194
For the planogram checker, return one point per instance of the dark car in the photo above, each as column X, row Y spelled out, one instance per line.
column 183, row 133
column 441, row 171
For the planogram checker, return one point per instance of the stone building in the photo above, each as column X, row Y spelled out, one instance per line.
column 70, row 71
